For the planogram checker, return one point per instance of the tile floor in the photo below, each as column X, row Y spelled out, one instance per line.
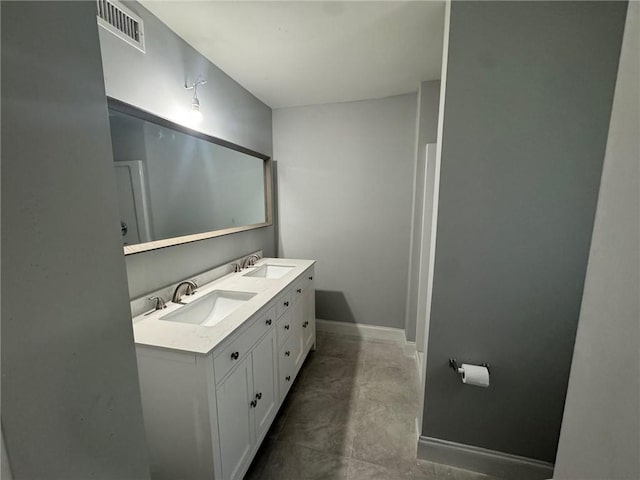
column 351, row 415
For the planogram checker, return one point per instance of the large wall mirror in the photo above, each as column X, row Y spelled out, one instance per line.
column 176, row 185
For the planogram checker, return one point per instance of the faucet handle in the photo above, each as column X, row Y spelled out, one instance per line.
column 159, row 302
column 191, row 287
column 236, row 268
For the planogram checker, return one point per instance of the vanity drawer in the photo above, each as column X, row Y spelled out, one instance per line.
column 300, row 286
column 285, row 326
column 231, row 355
column 288, row 355
column 283, row 303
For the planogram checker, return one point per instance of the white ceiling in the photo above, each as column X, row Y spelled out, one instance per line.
column 304, row 53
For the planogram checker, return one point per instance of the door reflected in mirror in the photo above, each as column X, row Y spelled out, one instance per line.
column 176, row 185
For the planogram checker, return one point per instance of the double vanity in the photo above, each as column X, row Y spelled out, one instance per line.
column 215, row 367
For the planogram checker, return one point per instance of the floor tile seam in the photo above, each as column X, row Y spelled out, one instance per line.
column 401, row 474
column 384, row 401
column 386, row 467
column 349, row 468
column 360, row 375
column 317, row 450
column 339, row 357
column 395, row 414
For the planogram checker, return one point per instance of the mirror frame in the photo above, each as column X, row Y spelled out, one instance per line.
column 122, row 107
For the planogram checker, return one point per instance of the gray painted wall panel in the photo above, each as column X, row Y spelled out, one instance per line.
column 154, row 81
column 600, row 437
column 528, row 100
column 345, row 175
column 70, row 397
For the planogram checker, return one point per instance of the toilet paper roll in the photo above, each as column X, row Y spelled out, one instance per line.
column 474, row 375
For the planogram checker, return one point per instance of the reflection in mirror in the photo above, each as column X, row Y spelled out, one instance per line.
column 176, row 185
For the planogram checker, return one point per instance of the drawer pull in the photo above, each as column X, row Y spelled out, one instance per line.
column 286, row 327
column 254, row 403
column 299, row 290
column 286, row 304
column 304, row 325
column 288, row 353
column 311, row 277
column 235, row 355
column 259, row 396
column 268, row 321
column 288, row 378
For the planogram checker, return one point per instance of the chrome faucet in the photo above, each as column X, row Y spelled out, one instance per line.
column 159, row 303
column 250, row 261
column 190, row 290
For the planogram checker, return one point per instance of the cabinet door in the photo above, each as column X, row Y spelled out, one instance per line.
column 309, row 317
column 297, row 345
column 265, row 386
column 286, row 367
column 235, row 421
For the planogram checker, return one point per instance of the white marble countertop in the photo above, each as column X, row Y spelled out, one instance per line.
column 149, row 330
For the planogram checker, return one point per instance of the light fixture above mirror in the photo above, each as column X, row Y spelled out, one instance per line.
column 196, row 114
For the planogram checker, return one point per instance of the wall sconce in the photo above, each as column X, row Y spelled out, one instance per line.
column 195, row 102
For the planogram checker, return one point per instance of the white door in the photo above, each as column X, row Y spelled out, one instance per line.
column 132, row 203
column 127, row 207
column 235, row 420
column 427, row 242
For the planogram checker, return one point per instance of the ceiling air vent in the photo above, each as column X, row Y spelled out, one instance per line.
column 122, row 22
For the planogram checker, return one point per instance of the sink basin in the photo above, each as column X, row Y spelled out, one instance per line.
column 210, row 309
column 269, row 271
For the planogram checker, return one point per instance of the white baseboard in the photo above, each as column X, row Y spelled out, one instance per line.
column 409, row 348
column 481, row 460
column 361, row 330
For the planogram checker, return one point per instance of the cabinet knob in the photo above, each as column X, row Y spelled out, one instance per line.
column 304, row 325
column 299, row 290
column 311, row 277
column 288, row 378
column 259, row 396
column 286, row 327
column 268, row 321
column 254, row 403
column 286, row 304
column 288, row 353
column 235, row 355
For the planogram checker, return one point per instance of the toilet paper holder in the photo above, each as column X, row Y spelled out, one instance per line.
column 454, row 364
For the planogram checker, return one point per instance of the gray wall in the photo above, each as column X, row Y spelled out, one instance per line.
column 600, row 436
column 70, row 397
column 345, row 175
column 154, row 82
column 528, row 99
column 426, row 132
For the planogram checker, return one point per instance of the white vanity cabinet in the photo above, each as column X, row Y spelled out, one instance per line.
column 206, row 414
column 247, row 403
column 235, row 425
